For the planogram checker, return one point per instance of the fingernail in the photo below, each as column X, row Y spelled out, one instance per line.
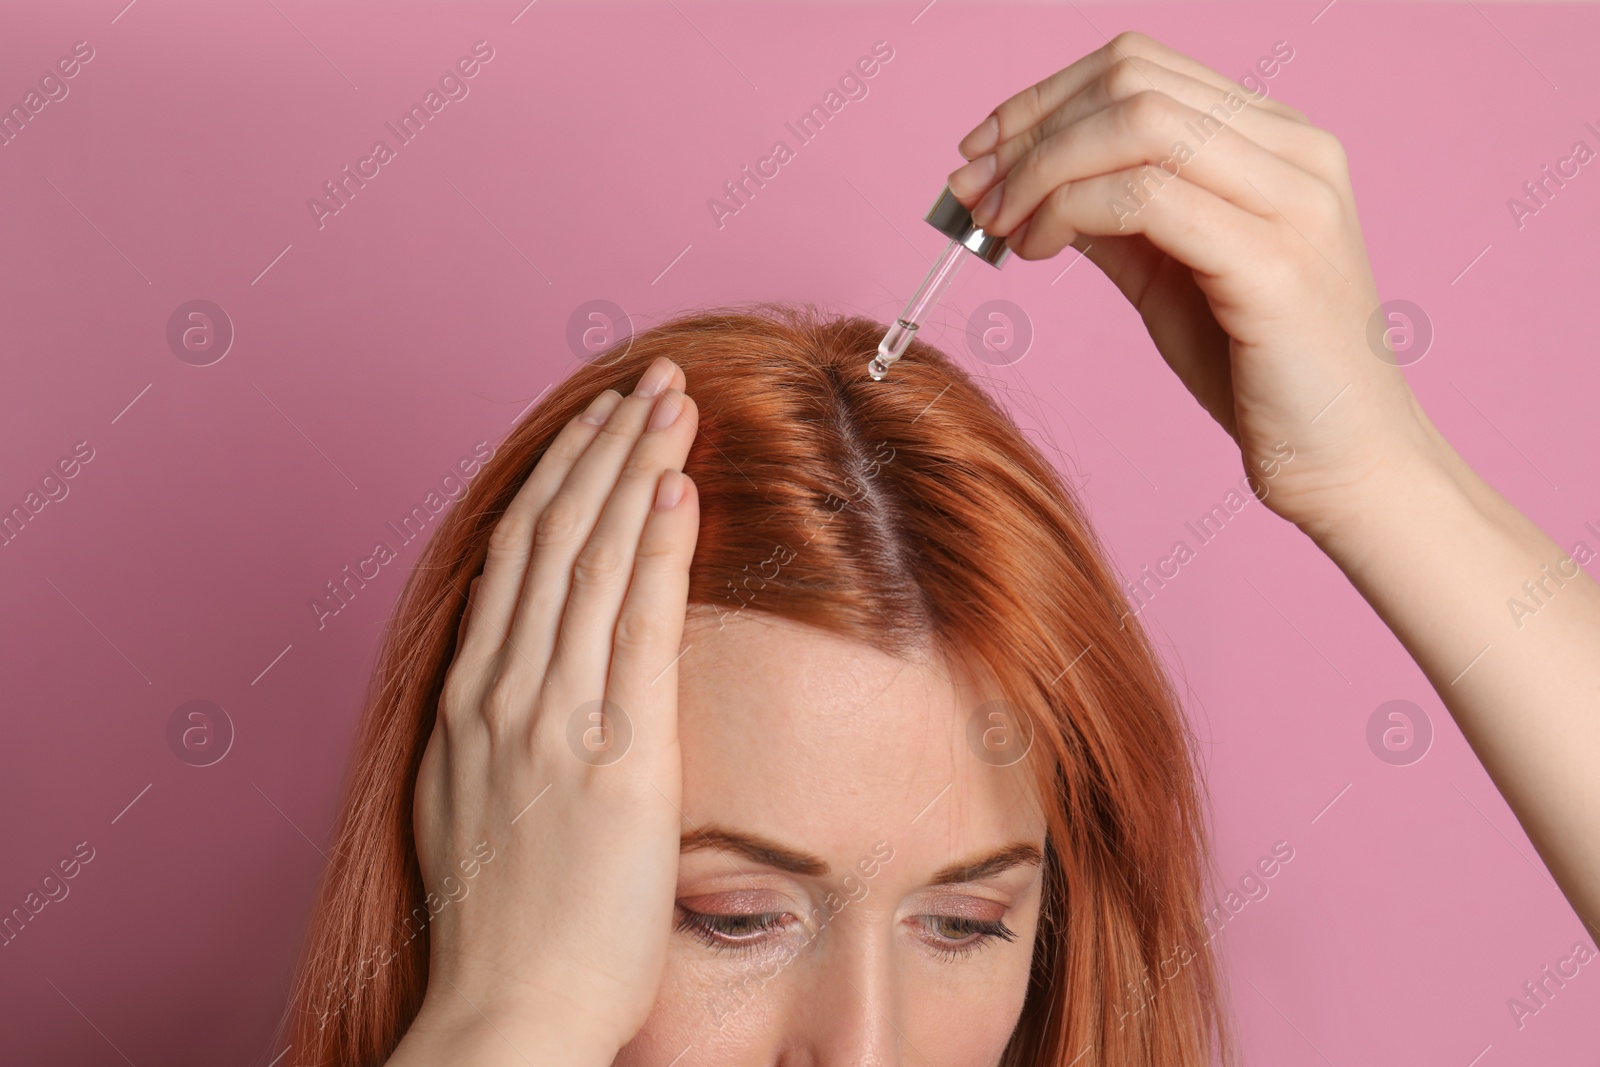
column 600, row 408
column 988, row 208
column 655, row 379
column 666, row 410
column 670, row 491
column 969, row 178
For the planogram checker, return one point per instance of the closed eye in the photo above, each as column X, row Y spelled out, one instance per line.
column 951, row 937
column 731, row 933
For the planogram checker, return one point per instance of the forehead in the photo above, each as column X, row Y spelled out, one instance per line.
column 829, row 744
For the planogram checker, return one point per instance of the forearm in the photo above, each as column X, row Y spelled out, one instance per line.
column 1441, row 557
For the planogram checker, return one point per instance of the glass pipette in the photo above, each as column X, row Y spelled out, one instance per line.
column 905, row 327
column 955, row 222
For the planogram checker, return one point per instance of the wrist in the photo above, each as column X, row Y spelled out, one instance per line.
column 1404, row 496
column 450, row 1028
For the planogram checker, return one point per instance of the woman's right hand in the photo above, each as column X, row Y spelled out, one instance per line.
column 553, row 949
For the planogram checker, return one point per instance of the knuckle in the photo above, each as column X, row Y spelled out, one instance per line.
column 637, row 632
column 455, row 697
column 460, row 678
column 617, row 428
column 503, row 703
column 559, row 523
column 1130, row 42
column 1033, row 103
column 510, row 536
column 639, row 466
column 1009, row 154
column 1329, row 154
column 653, row 551
column 599, row 565
column 1033, row 149
column 1146, row 111
column 577, row 416
column 1022, row 166
column 1124, row 79
column 1325, row 205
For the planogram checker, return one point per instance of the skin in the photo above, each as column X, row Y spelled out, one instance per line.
column 1251, row 275
column 807, row 739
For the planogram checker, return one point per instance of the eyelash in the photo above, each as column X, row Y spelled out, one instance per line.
column 711, row 930
column 986, row 931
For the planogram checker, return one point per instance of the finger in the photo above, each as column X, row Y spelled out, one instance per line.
column 1151, row 128
column 1304, row 145
column 511, row 541
column 560, row 533
column 602, row 570
column 1021, row 111
column 1131, row 45
column 466, row 612
column 1192, row 225
column 643, row 675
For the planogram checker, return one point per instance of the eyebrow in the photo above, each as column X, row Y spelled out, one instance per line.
column 769, row 853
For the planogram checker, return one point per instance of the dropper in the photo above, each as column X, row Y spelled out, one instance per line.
column 954, row 221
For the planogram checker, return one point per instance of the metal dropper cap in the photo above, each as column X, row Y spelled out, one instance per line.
column 955, row 222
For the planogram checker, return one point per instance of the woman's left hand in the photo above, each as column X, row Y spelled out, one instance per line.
column 1227, row 220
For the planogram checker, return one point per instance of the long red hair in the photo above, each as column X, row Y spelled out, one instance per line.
column 957, row 533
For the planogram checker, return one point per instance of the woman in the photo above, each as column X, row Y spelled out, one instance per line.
column 770, row 715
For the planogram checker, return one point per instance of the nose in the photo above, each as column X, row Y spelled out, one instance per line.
column 851, row 1006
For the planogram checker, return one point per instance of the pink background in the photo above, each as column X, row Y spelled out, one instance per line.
column 371, row 354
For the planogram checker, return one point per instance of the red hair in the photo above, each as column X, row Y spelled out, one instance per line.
column 956, row 533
